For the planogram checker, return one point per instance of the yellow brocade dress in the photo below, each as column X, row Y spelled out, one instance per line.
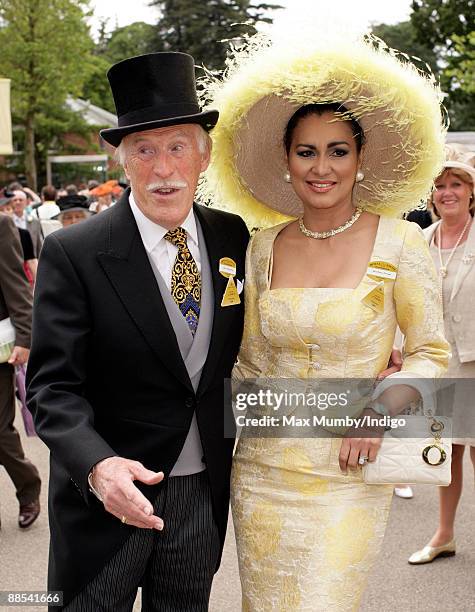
column 307, row 535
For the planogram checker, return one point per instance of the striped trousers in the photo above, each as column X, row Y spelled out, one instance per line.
column 174, row 567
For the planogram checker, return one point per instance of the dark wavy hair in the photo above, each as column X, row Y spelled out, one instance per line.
column 319, row 110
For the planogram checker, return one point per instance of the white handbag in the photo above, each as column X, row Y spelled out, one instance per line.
column 422, row 458
column 7, row 340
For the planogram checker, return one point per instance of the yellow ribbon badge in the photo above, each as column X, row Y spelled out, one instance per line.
column 227, row 268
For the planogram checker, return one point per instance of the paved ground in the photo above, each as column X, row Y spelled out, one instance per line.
column 446, row 585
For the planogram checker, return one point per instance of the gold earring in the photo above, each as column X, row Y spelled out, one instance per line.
column 287, row 177
column 359, row 176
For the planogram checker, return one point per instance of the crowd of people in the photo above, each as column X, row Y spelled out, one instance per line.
column 32, row 217
column 37, row 216
column 163, row 299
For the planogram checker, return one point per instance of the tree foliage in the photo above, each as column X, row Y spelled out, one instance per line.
column 135, row 39
column 202, row 28
column 436, row 21
column 403, row 37
column 447, row 27
column 96, row 86
column 44, row 43
column 464, row 72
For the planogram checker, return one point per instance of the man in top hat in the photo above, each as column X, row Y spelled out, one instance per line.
column 137, row 324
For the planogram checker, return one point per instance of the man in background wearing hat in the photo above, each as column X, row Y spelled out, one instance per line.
column 138, row 321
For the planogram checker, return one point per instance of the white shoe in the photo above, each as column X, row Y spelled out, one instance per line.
column 429, row 553
column 404, row 492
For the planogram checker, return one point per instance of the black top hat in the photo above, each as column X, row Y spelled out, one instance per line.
column 73, row 202
column 152, row 91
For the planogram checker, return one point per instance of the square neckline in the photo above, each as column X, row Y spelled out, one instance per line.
column 271, row 264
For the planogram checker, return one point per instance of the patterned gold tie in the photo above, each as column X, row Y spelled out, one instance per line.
column 186, row 279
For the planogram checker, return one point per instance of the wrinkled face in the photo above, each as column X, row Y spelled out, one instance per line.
column 72, row 217
column 163, row 167
column 452, row 196
column 19, row 202
column 323, row 161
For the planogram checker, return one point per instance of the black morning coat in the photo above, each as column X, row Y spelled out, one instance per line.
column 105, row 377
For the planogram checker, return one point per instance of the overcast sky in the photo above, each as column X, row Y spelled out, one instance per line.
column 360, row 13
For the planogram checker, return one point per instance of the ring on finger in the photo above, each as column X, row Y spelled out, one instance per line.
column 123, row 520
column 363, row 459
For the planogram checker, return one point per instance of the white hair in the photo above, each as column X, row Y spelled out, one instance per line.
column 202, row 137
column 20, row 193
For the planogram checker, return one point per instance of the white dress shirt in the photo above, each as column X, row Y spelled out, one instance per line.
column 163, row 252
column 20, row 221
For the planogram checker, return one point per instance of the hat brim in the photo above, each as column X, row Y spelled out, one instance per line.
column 73, row 209
column 451, row 164
column 396, row 106
column 207, row 119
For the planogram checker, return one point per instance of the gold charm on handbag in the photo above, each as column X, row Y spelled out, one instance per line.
column 432, row 449
column 227, row 268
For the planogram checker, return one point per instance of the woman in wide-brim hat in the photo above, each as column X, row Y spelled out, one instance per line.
column 345, row 137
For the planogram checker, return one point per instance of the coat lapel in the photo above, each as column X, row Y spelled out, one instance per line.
column 468, row 260
column 216, row 246
column 127, row 267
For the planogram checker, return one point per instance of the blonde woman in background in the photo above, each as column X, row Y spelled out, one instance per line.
column 452, row 245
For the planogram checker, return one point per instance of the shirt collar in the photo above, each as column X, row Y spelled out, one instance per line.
column 151, row 233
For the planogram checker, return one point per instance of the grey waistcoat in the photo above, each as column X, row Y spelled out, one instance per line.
column 194, row 351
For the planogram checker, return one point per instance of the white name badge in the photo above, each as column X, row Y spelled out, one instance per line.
column 382, row 269
column 227, row 267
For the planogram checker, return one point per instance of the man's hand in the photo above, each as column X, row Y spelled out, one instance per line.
column 19, row 356
column 394, row 364
column 113, row 478
column 363, row 442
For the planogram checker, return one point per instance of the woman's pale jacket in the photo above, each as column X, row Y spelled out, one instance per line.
column 462, row 299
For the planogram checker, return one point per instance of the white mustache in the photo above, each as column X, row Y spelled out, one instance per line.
column 166, row 185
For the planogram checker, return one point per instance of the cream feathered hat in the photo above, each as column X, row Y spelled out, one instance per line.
column 266, row 82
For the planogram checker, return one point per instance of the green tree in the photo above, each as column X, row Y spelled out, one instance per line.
column 464, row 72
column 403, row 37
column 202, row 28
column 135, row 39
column 436, row 21
column 44, row 45
column 96, row 86
column 446, row 27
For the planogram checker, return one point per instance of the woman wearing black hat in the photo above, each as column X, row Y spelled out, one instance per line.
column 73, row 209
